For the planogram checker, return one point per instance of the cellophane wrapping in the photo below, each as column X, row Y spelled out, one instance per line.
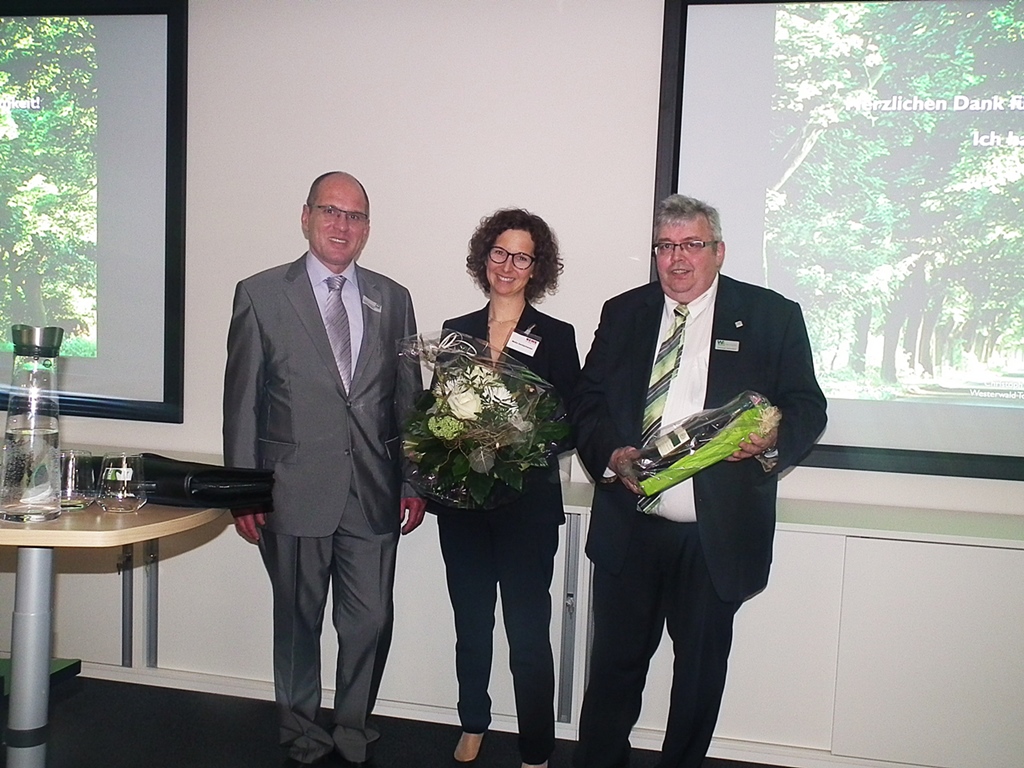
column 472, row 437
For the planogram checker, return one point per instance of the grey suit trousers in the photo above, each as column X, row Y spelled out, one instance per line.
column 359, row 567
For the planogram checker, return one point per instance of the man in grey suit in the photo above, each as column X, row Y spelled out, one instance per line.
column 315, row 390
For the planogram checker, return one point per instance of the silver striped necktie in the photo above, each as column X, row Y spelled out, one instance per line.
column 336, row 320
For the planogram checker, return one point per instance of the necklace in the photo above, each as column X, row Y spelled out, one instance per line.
column 499, row 332
column 493, row 320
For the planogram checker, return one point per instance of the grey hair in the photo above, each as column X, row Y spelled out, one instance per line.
column 676, row 209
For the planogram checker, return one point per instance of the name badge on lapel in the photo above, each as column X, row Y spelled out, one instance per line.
column 371, row 304
column 526, row 343
column 726, row 345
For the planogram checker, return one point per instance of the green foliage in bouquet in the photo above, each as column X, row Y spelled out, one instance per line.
column 481, row 426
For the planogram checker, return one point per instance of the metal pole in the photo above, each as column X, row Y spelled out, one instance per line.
column 27, row 723
column 568, row 650
column 151, row 559
column 125, row 566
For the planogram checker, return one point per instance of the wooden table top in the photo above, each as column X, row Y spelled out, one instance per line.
column 92, row 527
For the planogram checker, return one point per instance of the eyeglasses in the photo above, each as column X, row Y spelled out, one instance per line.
column 353, row 217
column 687, row 246
column 519, row 260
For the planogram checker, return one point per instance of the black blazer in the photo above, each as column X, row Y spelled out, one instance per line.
column 557, row 361
column 735, row 500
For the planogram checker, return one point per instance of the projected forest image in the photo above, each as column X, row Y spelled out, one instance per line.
column 48, row 178
column 894, row 215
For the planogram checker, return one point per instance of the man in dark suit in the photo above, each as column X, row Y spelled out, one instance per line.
column 706, row 545
column 315, row 390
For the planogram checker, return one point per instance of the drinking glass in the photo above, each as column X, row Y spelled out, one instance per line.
column 122, row 485
column 77, row 479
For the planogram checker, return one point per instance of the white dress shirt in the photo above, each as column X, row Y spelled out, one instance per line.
column 688, row 389
column 350, row 297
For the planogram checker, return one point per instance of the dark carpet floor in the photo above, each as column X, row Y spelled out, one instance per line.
column 103, row 724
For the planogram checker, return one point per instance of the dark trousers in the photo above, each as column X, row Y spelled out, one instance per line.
column 665, row 581
column 358, row 566
column 515, row 549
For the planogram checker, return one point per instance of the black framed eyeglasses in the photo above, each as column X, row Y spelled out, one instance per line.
column 353, row 217
column 519, row 260
column 687, row 246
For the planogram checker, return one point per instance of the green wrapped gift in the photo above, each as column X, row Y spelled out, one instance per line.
column 681, row 450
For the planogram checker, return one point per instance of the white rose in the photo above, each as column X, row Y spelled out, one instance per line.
column 464, row 404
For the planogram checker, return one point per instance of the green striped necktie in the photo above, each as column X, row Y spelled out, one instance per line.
column 666, row 363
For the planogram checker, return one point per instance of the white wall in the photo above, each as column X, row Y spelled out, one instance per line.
column 446, row 110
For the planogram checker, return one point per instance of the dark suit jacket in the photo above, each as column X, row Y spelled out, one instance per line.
column 735, row 500
column 286, row 409
column 557, row 361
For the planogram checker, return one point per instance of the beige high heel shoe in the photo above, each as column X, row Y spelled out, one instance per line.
column 468, row 747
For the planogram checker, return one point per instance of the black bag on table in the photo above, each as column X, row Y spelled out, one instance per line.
column 191, row 484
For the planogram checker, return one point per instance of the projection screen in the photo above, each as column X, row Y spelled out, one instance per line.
column 868, row 162
column 92, row 141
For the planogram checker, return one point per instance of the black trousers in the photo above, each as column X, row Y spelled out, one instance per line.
column 665, row 581
column 514, row 549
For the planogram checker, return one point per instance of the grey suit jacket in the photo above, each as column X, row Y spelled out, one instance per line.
column 286, row 409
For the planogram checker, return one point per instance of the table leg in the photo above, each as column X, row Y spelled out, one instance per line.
column 152, row 568
column 126, row 567
column 31, row 632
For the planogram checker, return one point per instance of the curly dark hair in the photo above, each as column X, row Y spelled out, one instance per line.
column 547, row 265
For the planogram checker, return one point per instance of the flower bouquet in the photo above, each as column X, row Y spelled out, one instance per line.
column 681, row 450
column 482, row 424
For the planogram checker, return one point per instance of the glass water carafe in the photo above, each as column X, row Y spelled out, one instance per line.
column 30, row 479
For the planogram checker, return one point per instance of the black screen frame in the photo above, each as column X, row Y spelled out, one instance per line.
column 992, row 467
column 170, row 408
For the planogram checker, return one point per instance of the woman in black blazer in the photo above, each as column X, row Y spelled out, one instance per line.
column 513, row 257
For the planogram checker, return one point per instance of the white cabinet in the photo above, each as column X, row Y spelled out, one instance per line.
column 783, row 662
column 421, row 665
column 931, row 670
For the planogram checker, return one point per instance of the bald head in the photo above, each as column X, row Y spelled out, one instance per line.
column 314, row 188
column 336, row 220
